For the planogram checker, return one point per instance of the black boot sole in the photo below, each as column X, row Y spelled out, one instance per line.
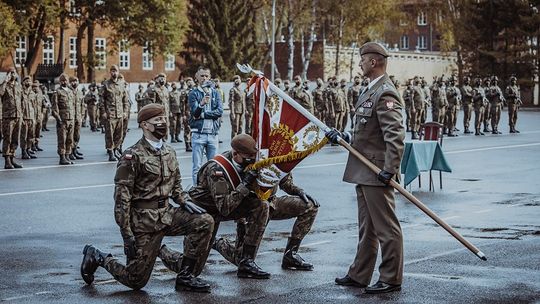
column 379, row 291
column 252, row 276
column 296, row 268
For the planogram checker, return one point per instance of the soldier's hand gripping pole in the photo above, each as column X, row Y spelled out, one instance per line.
column 415, row 201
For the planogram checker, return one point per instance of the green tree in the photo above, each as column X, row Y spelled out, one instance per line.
column 222, row 33
column 8, row 29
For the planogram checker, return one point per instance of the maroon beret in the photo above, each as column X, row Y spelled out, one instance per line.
column 150, row 111
column 244, row 143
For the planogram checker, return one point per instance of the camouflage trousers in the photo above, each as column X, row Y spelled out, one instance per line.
column 478, row 117
column 196, row 229
column 450, row 118
column 11, row 128
column 496, row 109
column 37, row 128
column 46, row 115
column 415, row 120
column 344, row 121
column 408, row 119
column 339, row 121
column 438, row 114
column 64, row 134
column 281, row 208
column 512, row 114
column 249, row 120
column 487, row 115
column 467, row 114
column 93, row 116
column 114, row 128
column 176, row 124
column 237, row 123
column 125, row 124
column 187, row 129
column 27, row 134
column 77, row 124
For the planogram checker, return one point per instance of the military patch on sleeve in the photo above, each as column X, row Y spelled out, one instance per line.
column 128, row 156
column 218, row 174
column 390, row 104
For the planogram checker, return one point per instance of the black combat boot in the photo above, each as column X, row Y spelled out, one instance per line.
column 34, row 149
column 247, row 267
column 63, row 160
column 92, row 258
column 75, row 155
column 467, row 131
column 118, row 153
column 291, row 259
column 15, row 165
column 178, row 139
column 111, row 155
column 173, row 139
column 24, row 154
column 68, row 158
column 186, row 281
column 414, row 135
column 78, row 153
column 31, row 153
column 38, row 148
column 188, row 147
column 7, row 163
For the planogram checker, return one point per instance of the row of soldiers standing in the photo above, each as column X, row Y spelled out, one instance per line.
column 446, row 98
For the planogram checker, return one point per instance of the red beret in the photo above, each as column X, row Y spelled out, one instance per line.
column 150, row 111
column 244, row 143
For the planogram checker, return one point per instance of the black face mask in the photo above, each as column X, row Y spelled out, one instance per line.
column 161, row 82
column 160, row 130
column 247, row 161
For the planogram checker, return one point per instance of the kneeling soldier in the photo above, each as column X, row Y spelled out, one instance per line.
column 146, row 176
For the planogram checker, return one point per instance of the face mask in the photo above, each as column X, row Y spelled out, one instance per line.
column 247, row 161
column 357, row 82
column 161, row 82
column 160, row 130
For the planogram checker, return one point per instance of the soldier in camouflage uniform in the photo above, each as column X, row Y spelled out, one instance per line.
column 439, row 101
column 38, row 105
column 187, row 113
column 319, row 100
column 453, row 95
column 278, row 83
column 513, row 99
column 236, row 107
column 139, row 98
column 287, row 86
column 417, row 110
column 77, row 121
column 408, row 95
column 340, row 104
column 27, row 126
column 250, row 108
column 480, row 101
column 487, row 107
column 114, row 108
column 352, row 97
column 427, row 100
column 147, row 175
column 63, row 110
column 91, row 100
column 330, row 98
column 297, row 205
column 226, row 191
column 10, row 94
column 301, row 95
column 46, row 108
column 175, row 113
column 467, row 98
column 496, row 99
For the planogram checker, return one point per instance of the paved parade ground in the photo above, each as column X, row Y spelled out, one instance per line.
column 49, row 212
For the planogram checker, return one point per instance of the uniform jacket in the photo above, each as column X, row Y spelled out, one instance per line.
column 378, row 133
column 236, row 100
column 63, row 104
column 79, row 105
column 174, row 102
column 28, row 101
column 319, row 99
column 146, row 175
column 114, row 100
column 513, row 95
column 467, row 94
column 11, row 94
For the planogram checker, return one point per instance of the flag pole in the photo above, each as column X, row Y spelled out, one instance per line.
column 372, row 167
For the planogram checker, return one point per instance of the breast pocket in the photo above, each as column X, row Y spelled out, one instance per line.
column 151, row 167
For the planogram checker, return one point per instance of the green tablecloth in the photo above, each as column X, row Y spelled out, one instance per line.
column 422, row 156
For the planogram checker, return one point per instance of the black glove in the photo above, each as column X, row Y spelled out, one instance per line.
column 385, row 177
column 192, row 208
column 333, row 134
column 129, row 247
column 307, row 198
column 249, row 177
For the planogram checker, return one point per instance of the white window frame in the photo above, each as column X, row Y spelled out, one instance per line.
column 421, row 42
column 21, row 50
column 169, row 62
column 404, row 42
column 123, row 55
column 147, row 60
column 422, row 18
column 72, row 44
column 100, row 47
column 48, row 50
column 403, row 22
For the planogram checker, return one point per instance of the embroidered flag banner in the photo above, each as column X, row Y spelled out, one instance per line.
column 285, row 132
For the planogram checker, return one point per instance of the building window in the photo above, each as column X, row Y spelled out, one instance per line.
column 124, row 55
column 403, row 22
column 147, row 61
column 72, row 52
column 20, row 51
column 101, row 53
column 404, row 42
column 48, row 50
column 169, row 62
column 73, row 9
column 422, row 42
column 422, row 18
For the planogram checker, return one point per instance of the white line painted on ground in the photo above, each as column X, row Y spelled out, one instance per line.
column 483, row 211
column 105, row 282
column 492, row 148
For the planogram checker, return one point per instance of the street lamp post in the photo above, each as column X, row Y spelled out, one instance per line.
column 273, row 40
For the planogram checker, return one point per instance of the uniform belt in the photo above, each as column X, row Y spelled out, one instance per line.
column 149, row 204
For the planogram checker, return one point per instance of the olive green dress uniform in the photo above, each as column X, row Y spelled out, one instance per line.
column 319, row 103
column 29, row 116
column 145, row 179
column 217, row 195
column 114, row 106
column 513, row 99
column 175, row 114
column 238, row 109
column 281, row 208
column 11, row 95
column 496, row 99
column 379, row 136
column 63, row 110
column 467, row 100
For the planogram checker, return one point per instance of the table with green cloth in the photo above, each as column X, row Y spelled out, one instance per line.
column 422, row 156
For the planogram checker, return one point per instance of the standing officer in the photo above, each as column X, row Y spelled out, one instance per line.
column 453, row 96
column 176, row 113
column 319, row 100
column 439, row 101
column 407, row 96
column 46, row 108
column 352, row 96
column 250, row 107
column 139, row 98
column 330, row 98
column 187, row 114
column 480, row 101
column 91, row 99
column 379, row 135
column 147, row 175
column 513, row 98
column 298, row 204
column 63, row 110
column 287, row 86
column 27, row 126
column 340, row 103
column 427, row 101
column 487, row 106
column 77, row 122
column 114, row 109
column 496, row 99
column 301, row 95
column 38, row 105
column 10, row 94
column 467, row 95
column 236, row 106
column 417, row 107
